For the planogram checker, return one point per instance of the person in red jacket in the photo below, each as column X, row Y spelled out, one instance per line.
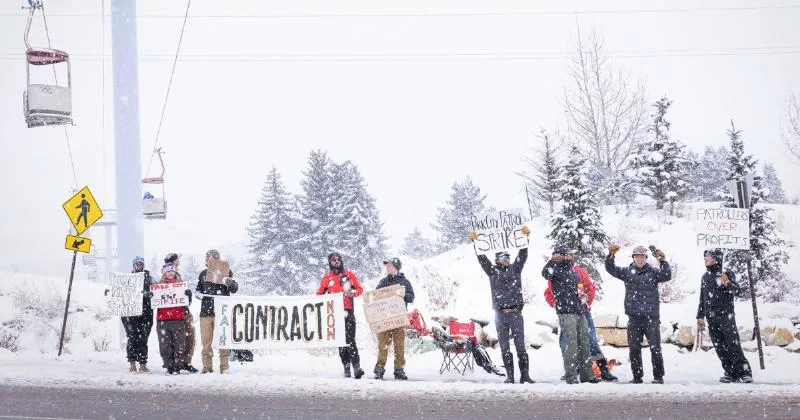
column 171, row 327
column 587, row 291
column 339, row 280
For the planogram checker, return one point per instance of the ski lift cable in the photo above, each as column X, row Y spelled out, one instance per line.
column 169, row 85
column 55, row 75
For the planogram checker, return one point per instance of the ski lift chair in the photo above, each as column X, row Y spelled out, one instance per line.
column 457, row 354
column 155, row 208
column 45, row 104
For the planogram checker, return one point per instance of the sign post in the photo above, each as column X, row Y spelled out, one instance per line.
column 82, row 211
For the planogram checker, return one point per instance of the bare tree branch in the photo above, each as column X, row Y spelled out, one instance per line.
column 791, row 135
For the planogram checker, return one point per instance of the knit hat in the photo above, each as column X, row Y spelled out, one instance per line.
column 138, row 260
column 395, row 262
column 167, row 268
column 639, row 250
column 714, row 253
column 171, row 258
column 560, row 249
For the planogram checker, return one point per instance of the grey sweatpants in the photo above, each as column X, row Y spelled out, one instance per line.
column 172, row 342
column 576, row 347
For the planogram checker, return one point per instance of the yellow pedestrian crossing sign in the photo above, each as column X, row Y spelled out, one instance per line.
column 76, row 243
column 82, row 210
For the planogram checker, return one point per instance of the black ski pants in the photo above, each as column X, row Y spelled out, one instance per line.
column 137, row 329
column 725, row 336
column 349, row 353
column 650, row 327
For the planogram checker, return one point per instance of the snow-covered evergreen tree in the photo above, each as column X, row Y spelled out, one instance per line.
column 544, row 171
column 274, row 264
column 661, row 167
column 417, row 246
column 773, row 187
column 453, row 220
column 190, row 269
column 155, row 267
column 577, row 225
column 765, row 246
column 709, row 174
column 358, row 230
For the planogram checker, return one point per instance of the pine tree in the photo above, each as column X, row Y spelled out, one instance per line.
column 273, row 264
column 765, row 245
column 190, row 269
column 453, row 220
column 155, row 267
column 318, row 230
column 418, row 246
column 709, row 174
column 544, row 172
column 773, row 187
column 662, row 167
column 358, row 230
column 577, row 225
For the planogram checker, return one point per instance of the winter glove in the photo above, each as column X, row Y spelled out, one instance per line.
column 228, row 281
column 557, row 258
column 660, row 255
column 701, row 324
column 724, row 279
column 613, row 249
column 526, row 230
column 473, row 235
column 148, row 294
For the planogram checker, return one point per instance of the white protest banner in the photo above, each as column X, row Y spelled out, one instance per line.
column 722, row 227
column 499, row 231
column 168, row 295
column 385, row 308
column 124, row 297
column 279, row 322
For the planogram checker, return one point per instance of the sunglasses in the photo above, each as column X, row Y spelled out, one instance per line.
column 335, row 259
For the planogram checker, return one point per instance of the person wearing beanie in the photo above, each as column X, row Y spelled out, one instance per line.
column 571, row 317
column 718, row 287
column 642, row 306
column 505, row 280
column 397, row 335
column 339, row 280
column 171, row 327
column 138, row 328
column 215, row 280
column 174, row 259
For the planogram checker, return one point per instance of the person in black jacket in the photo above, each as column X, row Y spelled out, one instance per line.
column 397, row 335
column 208, row 290
column 505, row 280
column 137, row 328
column 642, row 307
column 571, row 317
column 718, row 287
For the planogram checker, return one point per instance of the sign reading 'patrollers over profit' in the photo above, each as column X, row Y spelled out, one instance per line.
column 722, row 227
column 499, row 231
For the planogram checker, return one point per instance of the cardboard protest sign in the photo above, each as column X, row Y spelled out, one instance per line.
column 124, row 297
column 499, row 231
column 722, row 227
column 217, row 271
column 168, row 295
column 279, row 322
column 385, row 308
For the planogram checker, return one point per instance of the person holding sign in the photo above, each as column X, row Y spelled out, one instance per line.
column 174, row 259
column 339, row 280
column 397, row 335
column 718, row 287
column 505, row 279
column 215, row 280
column 642, row 306
column 171, row 327
column 568, row 299
column 137, row 328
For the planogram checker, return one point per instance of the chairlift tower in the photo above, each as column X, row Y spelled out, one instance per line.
column 127, row 147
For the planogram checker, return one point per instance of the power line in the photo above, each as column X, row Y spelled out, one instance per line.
column 55, row 75
column 462, row 14
column 169, row 85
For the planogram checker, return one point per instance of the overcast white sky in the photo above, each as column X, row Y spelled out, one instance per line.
column 403, row 96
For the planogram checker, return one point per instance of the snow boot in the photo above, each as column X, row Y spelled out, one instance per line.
column 727, row 379
column 659, row 381
column 189, row 368
column 508, row 362
column 636, row 381
column 347, row 370
column 379, row 373
column 133, row 367
column 523, row 369
column 594, row 380
column 143, row 368
column 400, row 374
column 747, row 379
column 605, row 374
column 357, row 371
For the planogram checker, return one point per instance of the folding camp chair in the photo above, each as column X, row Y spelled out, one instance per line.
column 459, row 357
